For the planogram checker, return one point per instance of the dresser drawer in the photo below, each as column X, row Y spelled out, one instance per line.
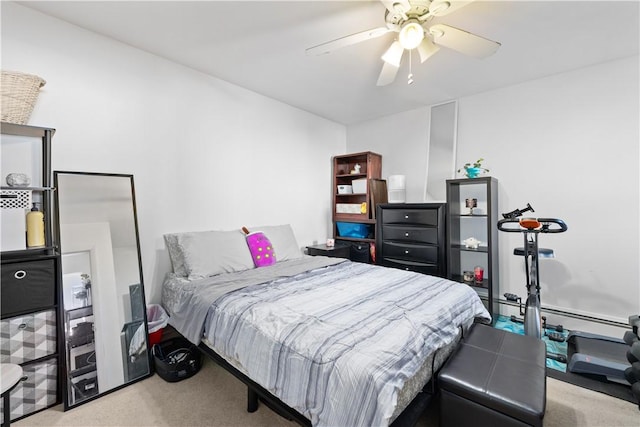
column 407, row 251
column 28, row 286
column 418, row 267
column 28, row 337
column 38, row 391
column 410, row 216
column 410, row 234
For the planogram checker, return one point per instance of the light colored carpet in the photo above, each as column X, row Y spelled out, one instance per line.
column 213, row 397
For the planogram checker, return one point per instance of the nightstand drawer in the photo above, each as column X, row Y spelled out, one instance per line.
column 418, row 267
column 28, row 286
column 418, row 253
column 29, row 337
column 410, row 216
column 410, row 234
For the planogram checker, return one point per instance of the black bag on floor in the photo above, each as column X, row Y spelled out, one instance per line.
column 176, row 359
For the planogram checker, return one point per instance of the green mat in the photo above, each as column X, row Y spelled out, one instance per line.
column 505, row 323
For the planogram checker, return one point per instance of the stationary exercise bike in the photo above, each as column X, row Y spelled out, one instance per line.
column 531, row 228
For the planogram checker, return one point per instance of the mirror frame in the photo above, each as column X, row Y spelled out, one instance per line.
column 62, row 328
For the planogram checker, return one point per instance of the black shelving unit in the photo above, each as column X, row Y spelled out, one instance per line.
column 480, row 223
column 30, row 294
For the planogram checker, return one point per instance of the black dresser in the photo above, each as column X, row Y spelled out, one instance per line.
column 411, row 236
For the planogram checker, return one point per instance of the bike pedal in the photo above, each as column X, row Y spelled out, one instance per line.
column 511, row 297
column 556, row 336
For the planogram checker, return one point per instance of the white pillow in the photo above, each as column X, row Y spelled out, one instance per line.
column 175, row 254
column 282, row 239
column 207, row 253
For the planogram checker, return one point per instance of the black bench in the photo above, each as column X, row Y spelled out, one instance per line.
column 494, row 378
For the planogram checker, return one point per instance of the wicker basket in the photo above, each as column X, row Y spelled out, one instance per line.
column 19, row 94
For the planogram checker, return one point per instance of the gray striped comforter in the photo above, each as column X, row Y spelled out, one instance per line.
column 338, row 343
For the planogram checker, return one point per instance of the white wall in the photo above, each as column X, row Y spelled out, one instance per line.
column 568, row 144
column 401, row 139
column 205, row 154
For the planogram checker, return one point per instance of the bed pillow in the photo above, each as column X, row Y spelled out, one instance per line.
column 207, row 253
column 283, row 240
column 175, row 254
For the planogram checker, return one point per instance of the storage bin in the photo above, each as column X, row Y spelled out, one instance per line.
column 176, row 359
column 28, row 337
column 353, row 229
column 350, row 208
column 38, row 391
column 345, row 189
column 14, row 205
column 19, row 94
column 359, row 186
column 360, row 252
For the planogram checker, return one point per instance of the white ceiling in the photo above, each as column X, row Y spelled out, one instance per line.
column 260, row 45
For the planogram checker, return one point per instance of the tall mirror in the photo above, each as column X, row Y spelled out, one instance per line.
column 104, row 309
column 442, row 150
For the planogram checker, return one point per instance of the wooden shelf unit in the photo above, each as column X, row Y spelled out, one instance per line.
column 360, row 210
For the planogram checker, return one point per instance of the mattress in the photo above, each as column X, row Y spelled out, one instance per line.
column 330, row 338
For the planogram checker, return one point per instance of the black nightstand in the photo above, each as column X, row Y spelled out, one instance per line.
column 340, row 250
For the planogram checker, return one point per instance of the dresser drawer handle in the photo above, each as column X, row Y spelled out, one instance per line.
column 406, row 234
column 24, row 378
column 22, row 326
column 406, row 251
column 20, row 274
column 406, row 217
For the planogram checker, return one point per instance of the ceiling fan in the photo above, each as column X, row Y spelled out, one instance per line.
column 411, row 20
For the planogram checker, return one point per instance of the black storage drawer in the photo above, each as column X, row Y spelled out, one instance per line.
column 411, row 216
column 360, row 252
column 410, row 234
column 431, row 269
column 418, row 253
column 28, row 286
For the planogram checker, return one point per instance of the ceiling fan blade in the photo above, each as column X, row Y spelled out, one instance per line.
column 426, row 49
column 388, row 74
column 393, row 5
column 349, row 40
column 445, row 7
column 463, row 41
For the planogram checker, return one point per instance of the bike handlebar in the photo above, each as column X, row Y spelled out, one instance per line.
column 535, row 225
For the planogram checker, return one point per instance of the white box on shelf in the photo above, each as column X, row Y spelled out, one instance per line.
column 345, row 189
column 349, row 208
column 14, row 205
column 359, row 186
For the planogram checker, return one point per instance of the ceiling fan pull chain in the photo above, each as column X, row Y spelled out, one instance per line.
column 410, row 76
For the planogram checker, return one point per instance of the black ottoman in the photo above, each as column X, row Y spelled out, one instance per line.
column 494, row 378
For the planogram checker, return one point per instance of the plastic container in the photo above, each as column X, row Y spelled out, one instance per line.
column 353, row 229
column 359, row 186
column 345, row 189
column 157, row 320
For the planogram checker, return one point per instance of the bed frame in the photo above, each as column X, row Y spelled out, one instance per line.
column 257, row 393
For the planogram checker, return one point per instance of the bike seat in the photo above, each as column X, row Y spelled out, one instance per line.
column 530, row 223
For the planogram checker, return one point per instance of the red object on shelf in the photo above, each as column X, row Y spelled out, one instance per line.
column 478, row 274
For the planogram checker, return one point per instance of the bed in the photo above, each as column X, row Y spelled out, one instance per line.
column 327, row 341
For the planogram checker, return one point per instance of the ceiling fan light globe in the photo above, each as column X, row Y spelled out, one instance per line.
column 393, row 55
column 411, row 35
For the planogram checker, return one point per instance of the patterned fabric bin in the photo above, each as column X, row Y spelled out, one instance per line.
column 29, row 337
column 37, row 392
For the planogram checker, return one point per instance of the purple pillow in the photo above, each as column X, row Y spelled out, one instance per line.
column 261, row 249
